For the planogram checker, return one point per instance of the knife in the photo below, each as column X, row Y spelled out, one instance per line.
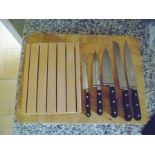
column 108, row 79
column 97, row 84
column 86, row 88
column 122, row 82
column 132, row 82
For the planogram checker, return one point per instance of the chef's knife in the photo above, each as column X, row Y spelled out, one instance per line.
column 86, row 88
column 122, row 82
column 108, row 79
column 132, row 82
column 97, row 84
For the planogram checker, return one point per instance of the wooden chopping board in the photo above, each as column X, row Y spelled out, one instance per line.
column 87, row 45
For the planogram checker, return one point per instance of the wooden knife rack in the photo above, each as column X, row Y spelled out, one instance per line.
column 69, row 105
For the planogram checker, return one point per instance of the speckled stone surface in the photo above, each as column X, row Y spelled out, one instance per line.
column 123, row 27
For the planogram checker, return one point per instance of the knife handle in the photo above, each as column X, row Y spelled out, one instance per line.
column 126, row 105
column 99, row 102
column 135, row 104
column 87, row 97
column 113, row 102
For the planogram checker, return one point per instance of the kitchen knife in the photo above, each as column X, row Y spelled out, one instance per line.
column 86, row 88
column 97, row 84
column 108, row 79
column 132, row 82
column 122, row 82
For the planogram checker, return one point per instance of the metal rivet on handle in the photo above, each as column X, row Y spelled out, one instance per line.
column 99, row 93
column 113, row 101
column 99, row 102
column 126, row 94
column 112, row 91
column 87, row 105
column 135, row 94
column 127, row 105
column 129, row 116
column 137, row 105
column 100, row 110
column 86, row 96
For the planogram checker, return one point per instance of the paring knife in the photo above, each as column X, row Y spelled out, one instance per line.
column 97, row 84
column 86, row 88
column 108, row 79
column 132, row 82
column 122, row 82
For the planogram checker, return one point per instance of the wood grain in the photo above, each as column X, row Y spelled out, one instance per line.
column 26, row 78
column 32, row 85
column 77, row 76
column 51, row 87
column 42, row 79
column 71, row 97
column 61, row 78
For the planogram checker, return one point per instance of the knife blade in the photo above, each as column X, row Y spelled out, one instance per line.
column 122, row 82
column 97, row 84
column 86, row 88
column 132, row 82
column 108, row 79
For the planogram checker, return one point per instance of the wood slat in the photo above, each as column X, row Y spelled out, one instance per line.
column 42, row 78
column 51, row 89
column 25, row 77
column 78, row 82
column 61, row 78
column 70, row 64
column 33, row 76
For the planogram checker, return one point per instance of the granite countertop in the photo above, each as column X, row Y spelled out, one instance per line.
column 121, row 27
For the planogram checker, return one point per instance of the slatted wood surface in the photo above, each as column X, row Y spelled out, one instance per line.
column 49, row 80
column 86, row 47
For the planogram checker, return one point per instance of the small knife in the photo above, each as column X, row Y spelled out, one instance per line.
column 122, row 82
column 108, row 79
column 132, row 82
column 86, row 88
column 97, row 84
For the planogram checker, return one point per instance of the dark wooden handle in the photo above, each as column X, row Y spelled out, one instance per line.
column 126, row 105
column 88, row 111
column 113, row 102
column 135, row 104
column 99, row 102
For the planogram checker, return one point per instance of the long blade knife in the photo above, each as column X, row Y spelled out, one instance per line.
column 86, row 88
column 97, row 84
column 132, row 82
column 122, row 82
column 108, row 79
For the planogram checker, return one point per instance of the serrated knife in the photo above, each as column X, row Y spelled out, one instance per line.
column 122, row 82
column 97, row 84
column 132, row 82
column 108, row 79
column 86, row 88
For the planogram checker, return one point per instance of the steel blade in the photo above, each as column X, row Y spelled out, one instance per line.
column 108, row 78
column 119, row 65
column 129, row 67
column 96, row 73
column 84, row 75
